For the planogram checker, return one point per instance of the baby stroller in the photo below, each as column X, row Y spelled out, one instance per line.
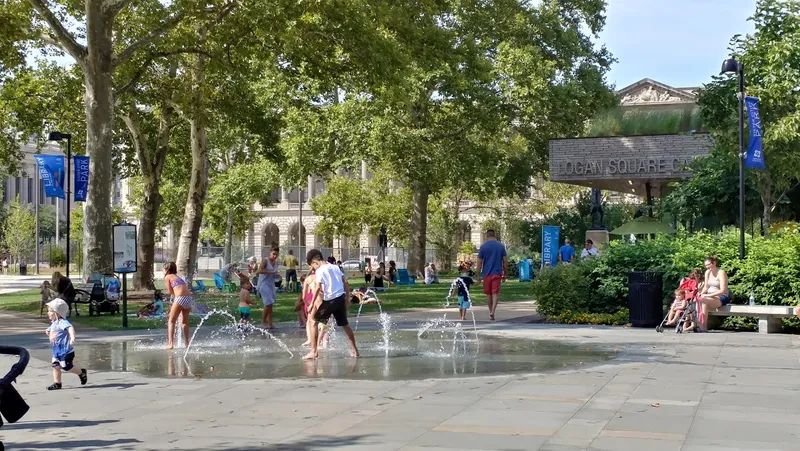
column 12, row 406
column 689, row 315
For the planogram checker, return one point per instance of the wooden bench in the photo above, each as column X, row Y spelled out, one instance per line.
column 769, row 316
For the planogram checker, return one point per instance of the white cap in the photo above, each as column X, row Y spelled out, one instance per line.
column 59, row 306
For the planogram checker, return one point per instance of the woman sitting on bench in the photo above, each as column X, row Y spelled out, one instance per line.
column 715, row 292
column 65, row 290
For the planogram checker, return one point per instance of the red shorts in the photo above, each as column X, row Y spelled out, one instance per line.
column 491, row 284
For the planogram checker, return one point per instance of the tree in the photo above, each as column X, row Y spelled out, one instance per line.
column 19, row 231
column 444, row 224
column 711, row 192
column 228, row 213
column 476, row 105
column 350, row 206
column 115, row 34
column 771, row 59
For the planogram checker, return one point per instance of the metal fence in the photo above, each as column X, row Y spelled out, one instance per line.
column 211, row 259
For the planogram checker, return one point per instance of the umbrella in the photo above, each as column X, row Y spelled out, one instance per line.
column 642, row 226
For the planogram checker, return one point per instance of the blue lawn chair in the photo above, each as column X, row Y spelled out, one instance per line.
column 218, row 282
column 403, row 278
column 200, row 288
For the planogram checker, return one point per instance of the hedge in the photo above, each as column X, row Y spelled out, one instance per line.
column 771, row 271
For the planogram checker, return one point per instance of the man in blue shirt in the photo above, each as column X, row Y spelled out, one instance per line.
column 493, row 267
column 566, row 252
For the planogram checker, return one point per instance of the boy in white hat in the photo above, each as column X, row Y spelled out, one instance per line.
column 62, row 337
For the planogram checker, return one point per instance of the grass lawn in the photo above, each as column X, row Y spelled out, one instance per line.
column 396, row 299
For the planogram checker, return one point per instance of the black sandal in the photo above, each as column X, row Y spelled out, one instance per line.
column 84, row 378
column 55, row 386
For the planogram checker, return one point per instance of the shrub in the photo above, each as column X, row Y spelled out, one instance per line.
column 612, row 319
column 565, row 287
column 467, row 247
column 58, row 257
column 771, row 272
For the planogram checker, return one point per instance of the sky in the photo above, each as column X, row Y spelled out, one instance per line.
column 680, row 43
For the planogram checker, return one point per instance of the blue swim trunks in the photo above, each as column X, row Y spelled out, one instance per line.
column 463, row 304
column 244, row 313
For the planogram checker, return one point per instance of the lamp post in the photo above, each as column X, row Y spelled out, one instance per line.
column 58, row 136
column 733, row 66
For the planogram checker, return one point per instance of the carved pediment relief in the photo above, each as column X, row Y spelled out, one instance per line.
column 648, row 91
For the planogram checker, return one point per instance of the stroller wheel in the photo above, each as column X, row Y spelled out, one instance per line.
column 659, row 329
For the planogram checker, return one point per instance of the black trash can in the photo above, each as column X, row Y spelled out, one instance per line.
column 645, row 298
column 23, row 270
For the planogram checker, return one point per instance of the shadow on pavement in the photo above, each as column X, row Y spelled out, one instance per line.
column 317, row 442
column 56, row 424
column 120, row 444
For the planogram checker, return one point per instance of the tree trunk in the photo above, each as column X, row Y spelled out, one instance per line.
column 419, row 226
column 766, row 200
column 143, row 279
column 99, row 108
column 175, row 239
column 198, row 186
column 227, row 251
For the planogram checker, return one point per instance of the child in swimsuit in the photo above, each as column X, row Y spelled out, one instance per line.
column 245, row 305
column 307, row 294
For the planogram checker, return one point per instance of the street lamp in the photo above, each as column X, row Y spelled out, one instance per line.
column 58, row 136
column 732, row 66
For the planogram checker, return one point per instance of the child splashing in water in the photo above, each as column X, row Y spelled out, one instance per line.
column 245, row 305
column 331, row 298
column 307, row 294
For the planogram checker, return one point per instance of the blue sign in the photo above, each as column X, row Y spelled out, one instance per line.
column 754, row 158
column 550, row 235
column 51, row 171
column 81, row 177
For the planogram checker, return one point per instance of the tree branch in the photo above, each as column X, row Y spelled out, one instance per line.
column 113, row 7
column 149, row 62
column 61, row 37
column 155, row 34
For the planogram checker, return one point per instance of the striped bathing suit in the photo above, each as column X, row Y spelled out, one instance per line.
column 183, row 301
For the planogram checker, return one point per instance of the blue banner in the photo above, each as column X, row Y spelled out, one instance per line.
column 81, row 177
column 550, row 235
column 754, row 158
column 51, row 171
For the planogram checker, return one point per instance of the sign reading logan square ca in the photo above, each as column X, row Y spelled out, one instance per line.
column 620, row 166
column 624, row 158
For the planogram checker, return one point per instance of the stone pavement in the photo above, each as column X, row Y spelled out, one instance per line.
column 715, row 391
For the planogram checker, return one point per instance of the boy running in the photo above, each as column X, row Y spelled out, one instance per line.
column 62, row 337
column 332, row 285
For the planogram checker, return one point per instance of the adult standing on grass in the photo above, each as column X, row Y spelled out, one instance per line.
column 492, row 269
column 566, row 252
column 291, row 270
column 181, row 303
column 267, row 275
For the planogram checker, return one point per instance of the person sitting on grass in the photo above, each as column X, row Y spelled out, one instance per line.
column 331, row 298
column 155, row 308
column 678, row 307
column 62, row 337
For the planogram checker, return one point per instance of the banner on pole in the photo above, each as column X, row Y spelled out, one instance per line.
column 550, row 235
column 754, row 158
column 81, row 177
column 51, row 171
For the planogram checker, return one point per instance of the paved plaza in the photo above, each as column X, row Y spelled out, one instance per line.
column 714, row 391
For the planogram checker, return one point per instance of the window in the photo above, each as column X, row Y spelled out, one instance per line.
column 30, row 191
column 17, row 185
column 275, row 196
column 41, row 193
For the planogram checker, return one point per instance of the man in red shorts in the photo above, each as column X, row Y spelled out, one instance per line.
column 492, row 269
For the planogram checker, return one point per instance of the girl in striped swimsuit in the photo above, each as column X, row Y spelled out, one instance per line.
column 181, row 303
